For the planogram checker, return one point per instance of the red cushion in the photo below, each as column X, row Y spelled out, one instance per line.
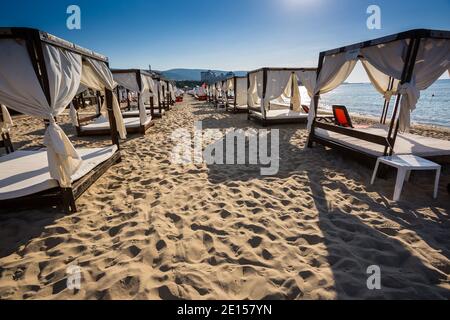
column 341, row 118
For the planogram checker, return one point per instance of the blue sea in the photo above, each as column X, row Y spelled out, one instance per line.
column 361, row 98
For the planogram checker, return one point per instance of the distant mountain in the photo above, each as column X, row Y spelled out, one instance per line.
column 192, row 74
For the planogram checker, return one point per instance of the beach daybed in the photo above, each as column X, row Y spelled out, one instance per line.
column 273, row 95
column 398, row 66
column 44, row 73
column 238, row 104
column 134, row 82
column 141, row 83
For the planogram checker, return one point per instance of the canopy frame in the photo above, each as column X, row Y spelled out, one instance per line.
column 251, row 110
column 138, row 74
column 388, row 142
column 62, row 197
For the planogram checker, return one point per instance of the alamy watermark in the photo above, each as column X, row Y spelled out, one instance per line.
column 374, row 19
column 73, row 21
column 374, row 279
column 227, row 147
column 73, row 277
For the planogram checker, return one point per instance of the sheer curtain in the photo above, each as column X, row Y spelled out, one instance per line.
column 96, row 75
column 335, row 70
column 241, row 91
column 432, row 61
column 277, row 81
column 21, row 90
column 6, row 122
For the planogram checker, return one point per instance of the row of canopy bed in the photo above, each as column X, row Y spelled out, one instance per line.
column 154, row 96
column 398, row 66
column 40, row 76
column 267, row 95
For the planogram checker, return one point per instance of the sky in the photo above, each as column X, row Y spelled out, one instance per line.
column 223, row 35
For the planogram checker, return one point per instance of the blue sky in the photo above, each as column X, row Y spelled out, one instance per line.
column 218, row 34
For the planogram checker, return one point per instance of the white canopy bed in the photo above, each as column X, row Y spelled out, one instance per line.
column 40, row 74
column 273, row 94
column 399, row 65
column 141, row 83
column 238, row 86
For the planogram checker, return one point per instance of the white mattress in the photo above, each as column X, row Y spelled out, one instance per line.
column 23, row 173
column 406, row 143
column 156, row 111
column 281, row 114
column 243, row 107
column 134, row 113
column 102, row 123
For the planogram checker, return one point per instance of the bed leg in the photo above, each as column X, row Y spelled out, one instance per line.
column 68, row 201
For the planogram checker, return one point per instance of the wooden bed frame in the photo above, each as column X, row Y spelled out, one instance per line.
column 387, row 142
column 104, row 132
column 264, row 121
column 63, row 197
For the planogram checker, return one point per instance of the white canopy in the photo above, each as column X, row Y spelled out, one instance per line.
column 96, row 75
column 279, row 84
column 382, row 62
column 21, row 90
column 129, row 81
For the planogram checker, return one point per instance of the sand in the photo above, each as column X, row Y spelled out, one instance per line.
column 150, row 229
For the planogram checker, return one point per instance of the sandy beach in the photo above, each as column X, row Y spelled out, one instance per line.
column 151, row 229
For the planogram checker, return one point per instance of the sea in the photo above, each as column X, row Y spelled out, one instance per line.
column 362, row 99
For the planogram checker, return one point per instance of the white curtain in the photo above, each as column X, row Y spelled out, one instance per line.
column 172, row 92
column 20, row 90
column 335, row 70
column 241, row 91
column 307, row 78
column 6, row 122
column 96, row 75
column 255, row 91
column 230, row 84
column 129, row 81
column 433, row 59
column 277, row 83
column 388, row 59
column 156, row 89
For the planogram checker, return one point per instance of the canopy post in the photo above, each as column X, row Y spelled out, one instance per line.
column 407, row 73
column 118, row 96
column 415, row 43
column 99, row 103
column 387, row 102
column 111, row 117
column 248, row 89
column 235, row 93
column 264, row 93
column 292, row 91
column 159, row 99
column 128, row 99
column 152, row 106
column 316, row 100
column 139, row 82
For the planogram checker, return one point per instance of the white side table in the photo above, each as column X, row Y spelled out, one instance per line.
column 405, row 164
